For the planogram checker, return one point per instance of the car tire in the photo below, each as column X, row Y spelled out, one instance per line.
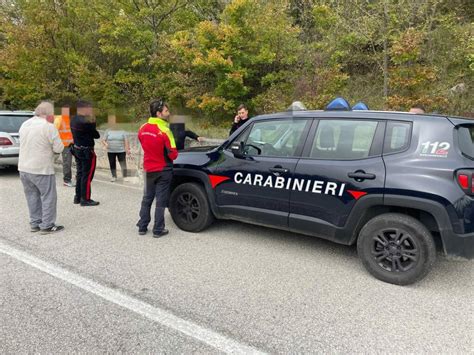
column 396, row 248
column 189, row 208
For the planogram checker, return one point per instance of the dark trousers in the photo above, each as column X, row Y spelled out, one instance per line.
column 157, row 185
column 122, row 158
column 67, row 164
column 85, row 164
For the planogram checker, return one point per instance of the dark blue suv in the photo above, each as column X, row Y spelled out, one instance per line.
column 394, row 183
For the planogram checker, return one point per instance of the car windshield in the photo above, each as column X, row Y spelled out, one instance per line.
column 12, row 123
column 466, row 140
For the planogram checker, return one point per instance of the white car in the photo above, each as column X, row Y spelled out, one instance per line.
column 10, row 123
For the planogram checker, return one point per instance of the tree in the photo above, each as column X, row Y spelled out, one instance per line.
column 241, row 58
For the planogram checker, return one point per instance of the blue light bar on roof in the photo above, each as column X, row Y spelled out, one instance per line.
column 360, row 106
column 338, row 104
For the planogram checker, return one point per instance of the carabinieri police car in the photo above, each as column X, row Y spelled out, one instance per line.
column 395, row 183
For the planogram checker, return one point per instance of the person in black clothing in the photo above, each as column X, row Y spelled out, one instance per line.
column 240, row 119
column 178, row 128
column 84, row 132
column 181, row 135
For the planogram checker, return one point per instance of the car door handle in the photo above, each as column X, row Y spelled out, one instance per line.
column 361, row 175
column 278, row 170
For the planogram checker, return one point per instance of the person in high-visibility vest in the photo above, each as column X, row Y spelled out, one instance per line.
column 62, row 123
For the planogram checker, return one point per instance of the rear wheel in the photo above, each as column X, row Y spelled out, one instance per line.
column 190, row 208
column 396, row 248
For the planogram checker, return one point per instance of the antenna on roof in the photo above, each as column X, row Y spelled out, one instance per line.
column 338, row 104
column 297, row 106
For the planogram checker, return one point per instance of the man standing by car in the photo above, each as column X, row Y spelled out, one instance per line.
column 84, row 132
column 159, row 152
column 39, row 140
column 63, row 124
column 240, row 119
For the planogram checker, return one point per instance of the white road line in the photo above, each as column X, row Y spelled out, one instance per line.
column 209, row 337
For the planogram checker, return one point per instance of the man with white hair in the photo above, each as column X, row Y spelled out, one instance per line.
column 39, row 140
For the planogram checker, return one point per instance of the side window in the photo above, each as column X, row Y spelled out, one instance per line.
column 343, row 139
column 275, row 138
column 397, row 137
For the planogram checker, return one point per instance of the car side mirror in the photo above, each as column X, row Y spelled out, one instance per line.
column 237, row 149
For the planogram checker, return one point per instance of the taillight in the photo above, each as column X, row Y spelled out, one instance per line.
column 5, row 141
column 465, row 180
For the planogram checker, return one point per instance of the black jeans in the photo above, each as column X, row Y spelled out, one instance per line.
column 157, row 185
column 122, row 158
column 85, row 164
column 67, row 164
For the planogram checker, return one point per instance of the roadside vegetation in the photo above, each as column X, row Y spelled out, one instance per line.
column 208, row 56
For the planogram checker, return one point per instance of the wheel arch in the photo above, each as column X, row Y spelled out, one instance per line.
column 182, row 176
column 431, row 214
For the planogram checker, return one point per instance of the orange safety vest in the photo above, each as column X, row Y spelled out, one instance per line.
column 64, row 129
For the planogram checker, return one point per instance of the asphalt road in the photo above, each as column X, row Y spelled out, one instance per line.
column 99, row 287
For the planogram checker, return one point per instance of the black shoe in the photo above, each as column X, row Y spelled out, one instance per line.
column 52, row 229
column 142, row 232
column 160, row 234
column 34, row 229
column 89, row 203
column 77, row 200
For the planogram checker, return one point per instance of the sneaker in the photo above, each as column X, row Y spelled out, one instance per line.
column 34, row 229
column 142, row 232
column 89, row 203
column 77, row 200
column 69, row 184
column 160, row 234
column 52, row 229
column 113, row 179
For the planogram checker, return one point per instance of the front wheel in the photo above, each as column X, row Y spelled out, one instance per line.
column 190, row 208
column 396, row 248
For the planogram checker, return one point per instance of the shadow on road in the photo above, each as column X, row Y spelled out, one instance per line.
column 285, row 238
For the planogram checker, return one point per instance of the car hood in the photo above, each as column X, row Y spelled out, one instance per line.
column 196, row 156
column 198, row 149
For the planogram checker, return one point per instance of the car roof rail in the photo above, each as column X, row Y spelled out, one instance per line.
column 16, row 111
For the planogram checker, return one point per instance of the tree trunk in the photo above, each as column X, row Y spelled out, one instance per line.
column 385, row 55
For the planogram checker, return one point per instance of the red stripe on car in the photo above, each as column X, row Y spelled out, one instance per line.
column 216, row 180
column 357, row 194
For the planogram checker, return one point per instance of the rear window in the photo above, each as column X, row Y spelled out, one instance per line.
column 397, row 137
column 12, row 123
column 466, row 140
